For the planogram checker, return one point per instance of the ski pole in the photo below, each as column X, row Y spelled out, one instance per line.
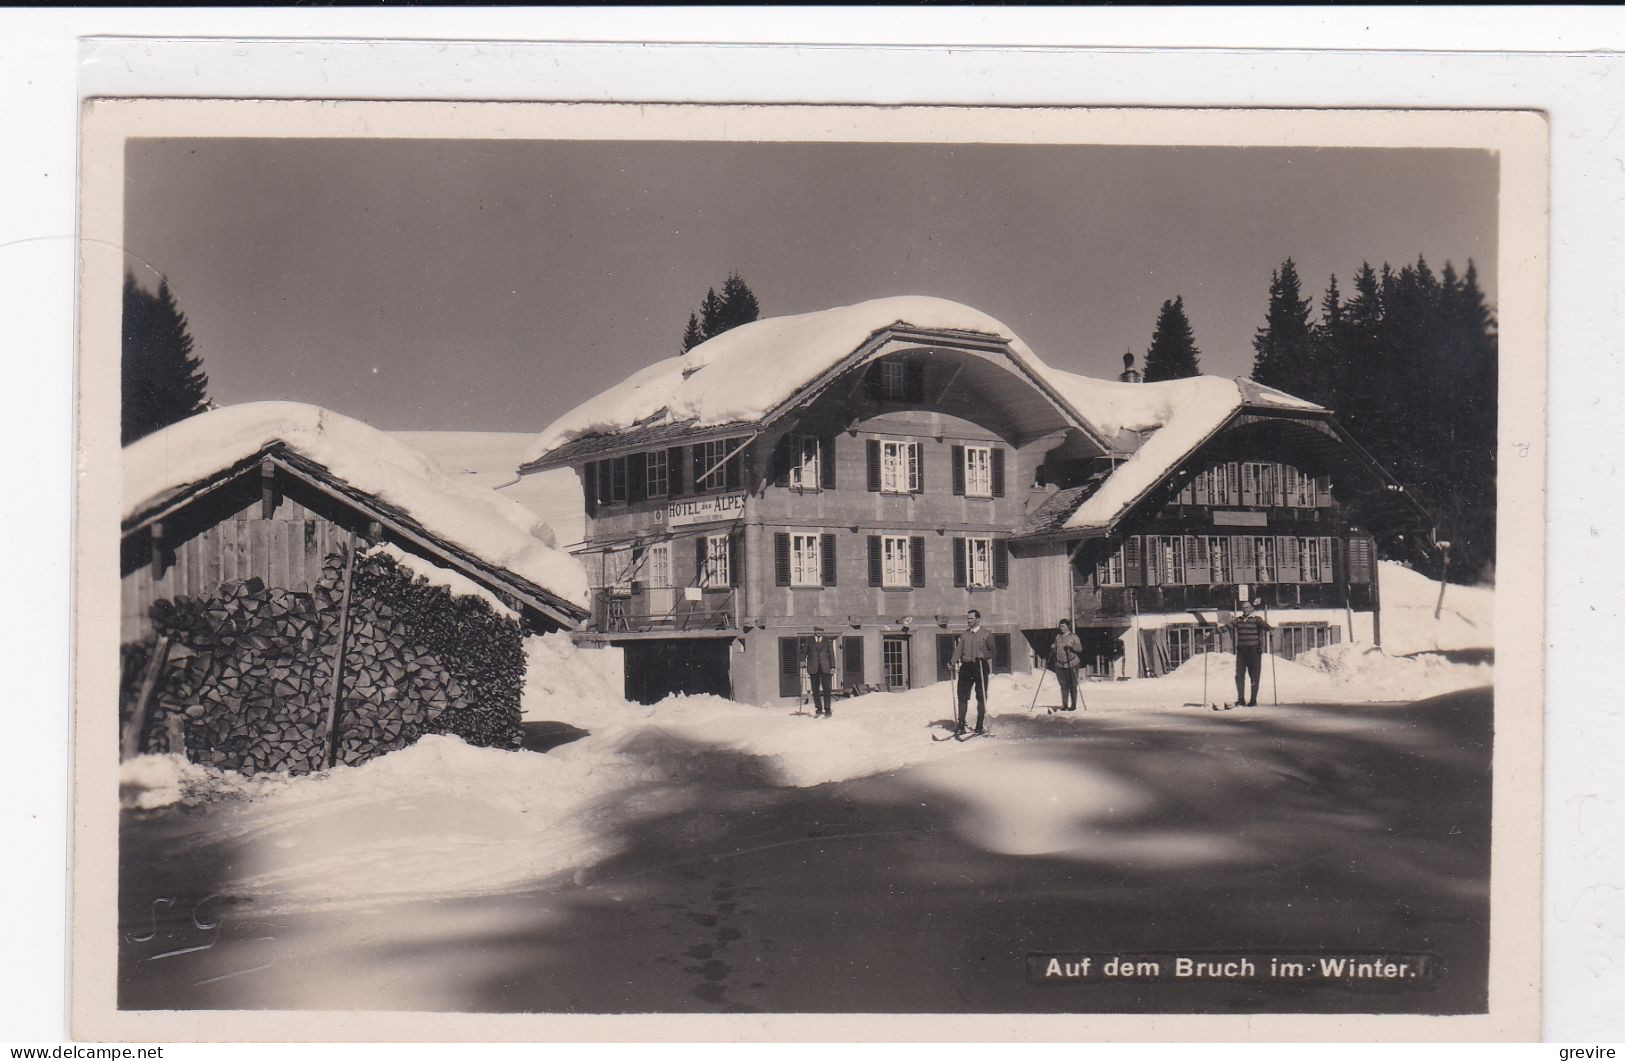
column 1275, row 682
column 1039, row 686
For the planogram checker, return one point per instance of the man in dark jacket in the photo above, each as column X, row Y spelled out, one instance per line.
column 820, row 668
column 1065, row 655
column 972, row 661
column 1252, row 638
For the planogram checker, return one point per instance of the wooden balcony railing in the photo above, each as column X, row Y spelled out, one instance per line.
column 677, row 608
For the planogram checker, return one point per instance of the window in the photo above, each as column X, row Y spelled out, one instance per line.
column 1167, row 561
column 713, row 474
column 1293, row 638
column 612, row 481
column 978, row 562
column 1224, row 479
column 1184, row 642
column 1264, row 551
column 716, row 570
column 899, row 467
column 657, row 480
column 978, row 471
column 1109, row 572
column 893, row 379
column 805, row 459
column 1315, row 559
column 1258, row 483
column 1220, row 566
column 1300, row 489
column 895, row 568
column 804, row 556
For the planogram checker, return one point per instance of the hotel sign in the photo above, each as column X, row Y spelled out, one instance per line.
column 1241, row 519
column 705, row 509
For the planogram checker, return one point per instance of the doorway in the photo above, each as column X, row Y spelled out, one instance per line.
column 894, row 661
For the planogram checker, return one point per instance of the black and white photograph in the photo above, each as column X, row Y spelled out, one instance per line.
column 759, row 562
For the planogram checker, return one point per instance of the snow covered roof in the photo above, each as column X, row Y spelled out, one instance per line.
column 742, row 375
column 1173, row 418
column 497, row 531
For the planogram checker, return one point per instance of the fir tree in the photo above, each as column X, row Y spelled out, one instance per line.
column 711, row 314
column 163, row 381
column 738, row 303
column 1283, row 348
column 692, row 336
column 1173, row 353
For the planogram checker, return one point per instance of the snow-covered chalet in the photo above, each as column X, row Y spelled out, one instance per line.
column 877, row 469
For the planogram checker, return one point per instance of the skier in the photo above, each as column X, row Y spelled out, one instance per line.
column 972, row 660
column 1252, row 637
column 1066, row 653
column 820, row 669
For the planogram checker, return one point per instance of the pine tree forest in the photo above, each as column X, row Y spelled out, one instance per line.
column 1408, row 363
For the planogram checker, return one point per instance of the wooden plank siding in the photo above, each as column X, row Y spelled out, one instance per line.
column 285, row 551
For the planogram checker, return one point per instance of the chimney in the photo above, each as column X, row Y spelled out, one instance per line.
column 1130, row 373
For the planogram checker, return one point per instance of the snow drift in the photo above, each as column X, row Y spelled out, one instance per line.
column 503, row 533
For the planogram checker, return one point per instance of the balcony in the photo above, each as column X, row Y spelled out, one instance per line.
column 646, row 609
column 1121, row 602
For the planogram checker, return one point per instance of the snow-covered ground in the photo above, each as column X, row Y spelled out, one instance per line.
column 444, row 818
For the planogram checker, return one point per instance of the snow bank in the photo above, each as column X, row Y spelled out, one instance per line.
column 746, row 371
column 148, row 782
column 1408, row 626
column 500, row 531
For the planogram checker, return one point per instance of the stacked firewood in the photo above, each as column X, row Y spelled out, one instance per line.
column 249, row 682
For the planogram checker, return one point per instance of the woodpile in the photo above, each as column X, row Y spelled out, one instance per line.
column 249, row 681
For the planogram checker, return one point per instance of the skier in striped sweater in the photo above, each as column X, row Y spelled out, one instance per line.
column 1252, row 638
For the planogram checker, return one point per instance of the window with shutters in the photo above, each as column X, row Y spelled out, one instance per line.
column 806, row 460
column 713, row 474
column 1360, row 559
column 978, row 471
column 1109, row 572
column 1257, row 483
column 899, row 467
column 805, row 569
column 893, row 379
column 1315, row 559
column 978, row 562
column 1225, row 484
column 895, row 567
column 716, row 573
column 657, row 480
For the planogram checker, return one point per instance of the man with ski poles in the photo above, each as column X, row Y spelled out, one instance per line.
column 972, row 661
column 1252, row 637
column 1066, row 654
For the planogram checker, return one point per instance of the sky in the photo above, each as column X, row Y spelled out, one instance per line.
column 494, row 285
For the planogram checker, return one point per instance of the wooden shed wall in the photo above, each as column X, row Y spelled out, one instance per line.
column 285, row 551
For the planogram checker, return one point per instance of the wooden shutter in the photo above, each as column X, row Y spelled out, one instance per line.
column 700, row 556
column 998, row 471
column 873, row 446
column 781, row 559
column 1001, row 653
column 916, row 468
column 852, row 661
column 1001, row 563
column 916, row 562
column 637, row 477
column 959, row 470
column 1331, row 548
column 914, row 381
column 1195, row 571
column 1359, row 559
column 782, row 460
column 945, row 657
column 789, row 667
column 736, row 560
column 674, row 470
column 734, row 467
column 1286, row 559
column 1249, row 496
column 589, row 486
column 876, row 575
column 826, row 558
column 826, row 463
column 1133, row 567
column 960, row 574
